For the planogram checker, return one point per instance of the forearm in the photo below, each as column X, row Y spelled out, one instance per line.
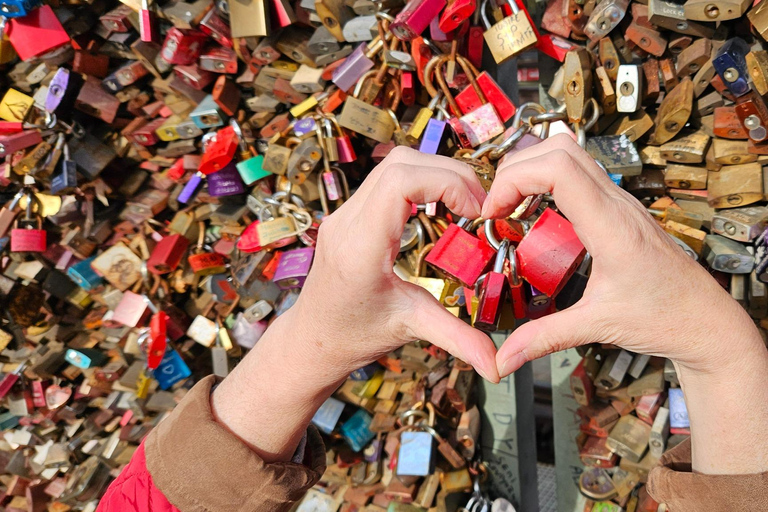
column 728, row 407
column 271, row 396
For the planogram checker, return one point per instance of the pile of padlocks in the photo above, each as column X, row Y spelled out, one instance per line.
column 166, row 168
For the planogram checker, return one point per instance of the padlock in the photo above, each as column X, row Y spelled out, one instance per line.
column 753, row 113
column 182, row 46
column 550, row 253
column 606, row 15
column 415, row 18
column 510, row 36
column 578, row 83
column 730, row 64
column 167, row 254
column 29, row 238
column 37, row 33
column 493, row 292
column 674, row 111
column 461, row 255
column 629, row 88
column 293, row 268
column 455, row 13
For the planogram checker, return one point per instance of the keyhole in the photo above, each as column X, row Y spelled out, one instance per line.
column 627, row 88
column 609, row 64
column 574, row 87
column 712, row 11
column 672, row 126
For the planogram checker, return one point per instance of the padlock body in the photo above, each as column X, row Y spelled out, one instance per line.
column 167, row 254
column 226, row 182
column 461, row 255
column 293, row 268
column 550, row 253
column 415, row 457
column 493, row 293
column 28, row 240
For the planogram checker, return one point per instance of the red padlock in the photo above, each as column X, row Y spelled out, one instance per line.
column 182, row 46
column 37, row 33
column 550, row 253
column 469, row 101
column 167, row 254
column 415, row 18
column 407, row 90
column 29, row 239
column 460, row 254
column 456, row 12
column 555, row 46
column 220, row 151
column 249, row 239
column 158, row 339
column 493, row 293
column 516, row 290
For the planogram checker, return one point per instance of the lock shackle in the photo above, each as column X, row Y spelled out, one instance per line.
column 29, row 212
column 484, row 14
column 359, row 87
column 412, row 413
column 394, row 94
column 321, row 188
column 498, row 152
column 501, row 256
column 490, row 234
column 427, row 227
column 420, row 259
column 16, row 199
column 239, row 133
column 428, row 71
column 532, row 107
column 513, row 273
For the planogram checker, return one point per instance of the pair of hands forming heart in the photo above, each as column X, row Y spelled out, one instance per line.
column 357, row 309
column 644, row 294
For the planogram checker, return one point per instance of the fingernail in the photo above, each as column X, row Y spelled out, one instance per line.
column 513, row 363
column 486, row 207
column 476, row 204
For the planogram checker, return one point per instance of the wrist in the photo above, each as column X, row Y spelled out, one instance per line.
column 270, row 397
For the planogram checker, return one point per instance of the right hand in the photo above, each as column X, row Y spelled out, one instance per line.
column 644, row 294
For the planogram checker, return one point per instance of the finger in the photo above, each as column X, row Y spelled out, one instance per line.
column 577, row 195
column 429, row 320
column 552, row 333
column 563, row 142
column 389, row 204
column 415, row 160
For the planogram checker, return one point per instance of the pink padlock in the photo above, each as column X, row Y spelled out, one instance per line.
column 29, row 239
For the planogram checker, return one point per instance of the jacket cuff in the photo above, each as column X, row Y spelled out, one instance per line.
column 200, row 466
column 673, row 484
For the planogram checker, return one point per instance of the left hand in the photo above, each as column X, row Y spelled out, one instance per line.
column 353, row 305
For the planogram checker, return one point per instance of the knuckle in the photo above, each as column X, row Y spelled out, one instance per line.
column 399, row 154
column 564, row 141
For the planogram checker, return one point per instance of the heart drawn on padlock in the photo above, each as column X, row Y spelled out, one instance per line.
column 56, row 396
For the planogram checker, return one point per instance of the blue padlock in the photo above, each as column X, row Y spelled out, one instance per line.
column 356, row 432
column 172, row 369
column 82, row 274
column 731, row 64
column 85, row 357
column 328, row 415
column 415, row 455
column 17, row 8
column 678, row 413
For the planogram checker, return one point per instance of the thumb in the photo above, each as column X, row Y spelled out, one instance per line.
column 537, row 338
column 430, row 321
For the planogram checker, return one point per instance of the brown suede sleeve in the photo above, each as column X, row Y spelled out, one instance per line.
column 674, row 484
column 200, row 466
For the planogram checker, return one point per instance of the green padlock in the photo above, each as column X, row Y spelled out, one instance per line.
column 252, row 170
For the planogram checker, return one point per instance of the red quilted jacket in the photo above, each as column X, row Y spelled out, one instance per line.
column 134, row 490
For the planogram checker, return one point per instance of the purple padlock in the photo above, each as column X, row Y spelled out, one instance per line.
column 352, row 70
column 433, row 136
column 62, row 92
column 226, row 182
column 304, row 126
column 539, row 305
column 293, row 268
column 191, row 187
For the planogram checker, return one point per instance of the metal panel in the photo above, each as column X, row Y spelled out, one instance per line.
column 568, row 466
column 508, row 439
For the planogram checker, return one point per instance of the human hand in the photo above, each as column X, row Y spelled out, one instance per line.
column 352, row 304
column 644, row 294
